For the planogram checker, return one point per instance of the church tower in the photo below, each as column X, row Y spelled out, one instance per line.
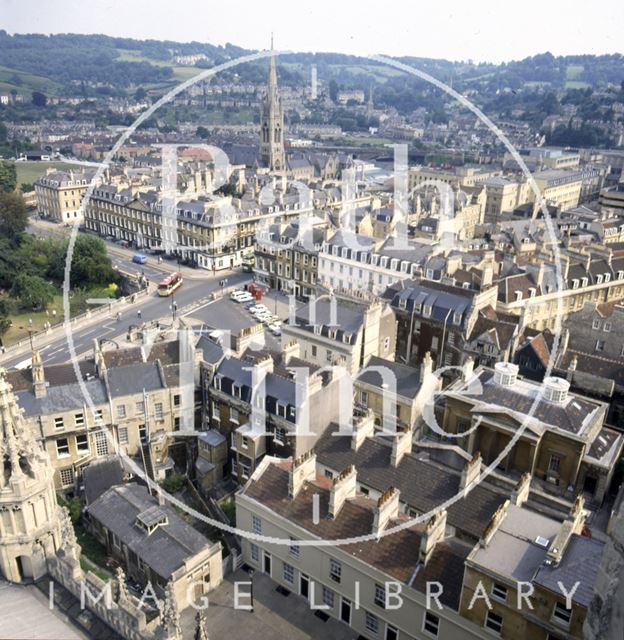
column 272, row 123
column 30, row 519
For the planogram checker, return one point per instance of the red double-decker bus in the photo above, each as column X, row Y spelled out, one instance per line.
column 169, row 284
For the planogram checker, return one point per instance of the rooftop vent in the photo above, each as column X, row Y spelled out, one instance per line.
column 540, row 541
column 505, row 373
column 556, row 389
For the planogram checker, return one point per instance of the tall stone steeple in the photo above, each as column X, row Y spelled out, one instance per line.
column 272, row 123
column 30, row 519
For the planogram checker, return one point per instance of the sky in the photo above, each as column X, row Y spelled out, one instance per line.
column 480, row 30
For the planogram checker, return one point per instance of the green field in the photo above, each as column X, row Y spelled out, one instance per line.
column 573, row 71
column 28, row 172
column 25, row 83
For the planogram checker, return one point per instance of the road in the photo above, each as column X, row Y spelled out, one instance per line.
column 195, row 294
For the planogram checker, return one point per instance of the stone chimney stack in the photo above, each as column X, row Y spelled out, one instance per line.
column 265, row 365
column 471, row 473
column 98, row 357
column 435, row 530
column 387, row 508
column 499, row 515
column 401, row 444
column 363, row 427
column 467, row 369
column 303, row 470
column 40, row 386
column 289, row 351
column 426, row 367
column 521, row 491
column 572, row 524
column 572, row 368
column 343, row 487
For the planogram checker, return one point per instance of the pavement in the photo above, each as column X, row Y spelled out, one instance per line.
column 274, row 616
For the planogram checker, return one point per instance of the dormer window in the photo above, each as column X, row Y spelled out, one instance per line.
column 427, row 310
column 599, row 278
column 575, row 283
column 518, row 295
column 584, row 282
column 456, row 318
column 607, row 277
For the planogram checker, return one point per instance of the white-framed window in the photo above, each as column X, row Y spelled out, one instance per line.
column 364, row 398
column 256, row 524
column 101, row 443
column 82, row 444
column 79, row 419
column 335, row 570
column 328, row 597
column 121, row 410
column 431, row 624
column 158, row 411
column 67, row 476
column 58, row 422
column 372, row 622
column 561, row 615
column 499, row 592
column 596, row 324
column 295, row 549
column 255, row 552
column 98, row 416
column 140, row 407
column 216, row 414
column 123, row 435
column 280, row 435
column 607, row 327
column 62, row 448
column 245, row 442
column 289, row 573
column 494, row 622
column 392, row 633
column 380, row 595
column 234, row 415
column 600, row 345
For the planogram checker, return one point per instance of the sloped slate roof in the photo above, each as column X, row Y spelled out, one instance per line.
column 167, row 547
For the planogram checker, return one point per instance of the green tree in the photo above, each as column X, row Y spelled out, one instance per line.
column 140, row 94
column 13, row 215
column 90, row 263
column 333, row 90
column 8, row 176
column 32, row 291
column 202, row 132
column 39, row 99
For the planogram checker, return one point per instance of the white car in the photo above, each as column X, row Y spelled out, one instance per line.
column 235, row 295
column 246, row 297
column 259, row 309
column 275, row 329
column 264, row 317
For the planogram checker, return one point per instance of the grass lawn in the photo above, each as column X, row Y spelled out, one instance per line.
column 28, row 172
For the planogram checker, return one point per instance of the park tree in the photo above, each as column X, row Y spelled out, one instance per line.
column 32, row 291
column 8, row 176
column 333, row 90
column 13, row 214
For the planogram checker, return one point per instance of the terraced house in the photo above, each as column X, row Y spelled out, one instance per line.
column 137, row 403
column 215, row 233
column 59, row 194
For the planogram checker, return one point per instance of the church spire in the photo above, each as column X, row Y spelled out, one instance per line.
column 272, row 123
column 272, row 88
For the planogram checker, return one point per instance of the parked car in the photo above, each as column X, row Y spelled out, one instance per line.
column 245, row 297
column 275, row 329
column 139, row 258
